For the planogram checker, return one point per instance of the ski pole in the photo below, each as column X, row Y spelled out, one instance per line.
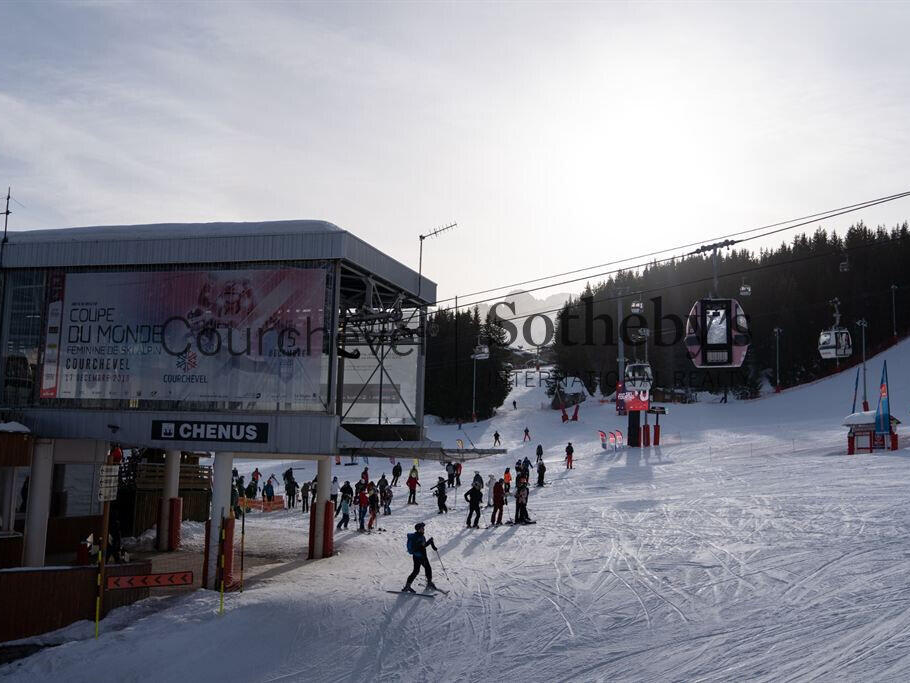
column 439, row 557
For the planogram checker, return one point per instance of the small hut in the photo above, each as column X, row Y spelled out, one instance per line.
column 861, row 435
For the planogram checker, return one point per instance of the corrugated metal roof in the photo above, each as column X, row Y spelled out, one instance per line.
column 172, row 243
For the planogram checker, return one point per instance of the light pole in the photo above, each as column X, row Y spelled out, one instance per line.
column 893, row 312
column 777, row 332
column 480, row 353
column 862, row 324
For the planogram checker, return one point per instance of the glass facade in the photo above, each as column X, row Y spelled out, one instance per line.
column 380, row 386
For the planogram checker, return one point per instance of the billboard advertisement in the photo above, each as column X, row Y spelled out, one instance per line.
column 254, row 336
column 631, row 399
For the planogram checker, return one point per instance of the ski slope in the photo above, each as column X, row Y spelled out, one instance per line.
column 748, row 547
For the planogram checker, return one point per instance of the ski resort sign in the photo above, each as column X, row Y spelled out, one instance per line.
column 241, row 335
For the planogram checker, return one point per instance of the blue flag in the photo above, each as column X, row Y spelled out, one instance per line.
column 855, row 388
column 883, row 412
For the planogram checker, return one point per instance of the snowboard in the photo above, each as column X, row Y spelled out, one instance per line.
column 419, row 595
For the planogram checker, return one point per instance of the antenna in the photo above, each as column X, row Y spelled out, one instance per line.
column 6, row 214
column 433, row 233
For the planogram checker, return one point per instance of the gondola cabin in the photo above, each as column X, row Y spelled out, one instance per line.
column 835, row 343
column 717, row 334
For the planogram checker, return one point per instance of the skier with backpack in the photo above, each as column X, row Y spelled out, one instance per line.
column 417, row 549
column 474, row 497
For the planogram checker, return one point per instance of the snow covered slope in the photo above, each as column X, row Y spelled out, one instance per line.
column 730, row 553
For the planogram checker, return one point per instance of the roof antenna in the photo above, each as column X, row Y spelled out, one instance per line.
column 434, row 233
column 6, row 215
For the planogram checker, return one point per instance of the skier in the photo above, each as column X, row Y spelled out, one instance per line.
column 305, row 496
column 527, row 435
column 491, row 482
column 290, row 488
column 474, row 496
column 256, row 474
column 417, row 547
column 334, row 492
column 373, row 500
column 457, row 474
column 507, row 480
column 412, row 485
column 365, row 475
column 514, row 405
column 569, row 452
column 382, row 484
column 521, row 503
column 441, row 496
column 385, row 497
column 268, row 490
column 499, row 499
column 478, row 480
column 345, row 509
column 541, row 471
column 363, row 504
column 396, row 472
column 496, row 439
column 526, row 467
column 539, row 452
column 450, row 473
column 346, row 490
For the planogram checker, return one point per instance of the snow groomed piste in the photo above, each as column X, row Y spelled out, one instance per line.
column 751, row 547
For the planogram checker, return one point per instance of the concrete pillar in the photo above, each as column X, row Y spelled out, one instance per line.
column 171, row 490
column 221, row 507
column 7, row 498
column 39, row 502
column 323, row 491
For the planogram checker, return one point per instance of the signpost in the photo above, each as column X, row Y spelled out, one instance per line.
column 107, row 483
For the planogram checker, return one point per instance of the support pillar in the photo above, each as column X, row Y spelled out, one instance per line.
column 171, row 490
column 221, row 507
column 323, row 490
column 39, row 503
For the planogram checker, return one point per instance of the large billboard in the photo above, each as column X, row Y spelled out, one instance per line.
column 253, row 336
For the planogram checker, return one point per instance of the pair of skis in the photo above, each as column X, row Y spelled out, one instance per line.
column 420, row 595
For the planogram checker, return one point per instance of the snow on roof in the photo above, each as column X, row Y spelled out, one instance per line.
column 153, row 231
column 864, row 417
column 14, row 427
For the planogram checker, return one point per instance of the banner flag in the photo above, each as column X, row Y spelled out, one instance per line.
column 883, row 413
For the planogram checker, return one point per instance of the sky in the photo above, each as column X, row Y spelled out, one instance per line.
column 557, row 136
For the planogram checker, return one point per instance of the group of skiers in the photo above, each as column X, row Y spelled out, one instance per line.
column 370, row 497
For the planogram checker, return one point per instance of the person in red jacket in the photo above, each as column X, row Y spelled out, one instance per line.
column 457, row 474
column 412, row 485
column 363, row 501
column 499, row 499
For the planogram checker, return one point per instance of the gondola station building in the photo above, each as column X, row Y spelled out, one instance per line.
column 279, row 340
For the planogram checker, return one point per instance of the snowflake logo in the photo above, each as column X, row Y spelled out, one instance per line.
column 186, row 361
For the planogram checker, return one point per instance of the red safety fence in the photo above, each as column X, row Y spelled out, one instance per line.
column 277, row 503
